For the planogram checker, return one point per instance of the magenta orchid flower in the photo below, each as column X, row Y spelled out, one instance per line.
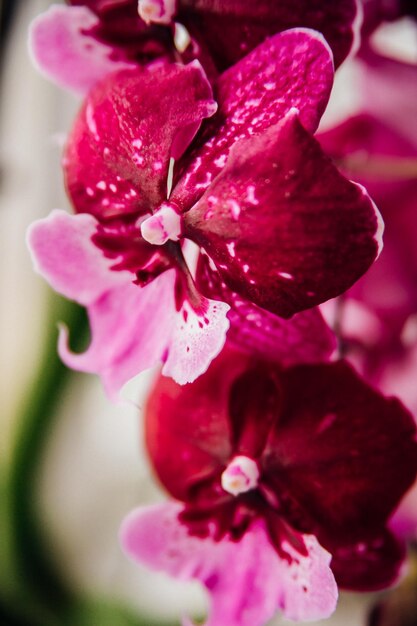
column 272, row 474
column 284, row 229
column 378, row 314
column 78, row 45
column 376, row 319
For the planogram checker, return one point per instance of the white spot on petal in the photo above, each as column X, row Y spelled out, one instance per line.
column 234, row 208
column 286, row 275
column 250, row 195
column 220, row 161
column 231, row 248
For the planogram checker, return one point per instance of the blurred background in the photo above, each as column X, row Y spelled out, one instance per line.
column 71, row 464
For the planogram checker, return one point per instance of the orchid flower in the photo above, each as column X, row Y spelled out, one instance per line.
column 376, row 319
column 283, row 229
column 378, row 314
column 78, row 45
column 271, row 475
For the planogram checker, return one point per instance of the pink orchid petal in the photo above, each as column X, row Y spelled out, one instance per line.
column 136, row 328
column 305, row 338
column 64, row 254
column 246, row 580
column 232, row 29
column 279, row 194
column 294, row 69
column 119, row 133
column 63, row 51
column 196, row 340
column 133, row 328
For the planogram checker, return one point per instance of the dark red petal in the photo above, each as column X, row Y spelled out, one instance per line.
column 342, row 451
column 285, row 229
column 369, row 565
column 305, row 338
column 188, row 434
column 118, row 153
column 231, row 29
column 292, row 69
column 254, row 404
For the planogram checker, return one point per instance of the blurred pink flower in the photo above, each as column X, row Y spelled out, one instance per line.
column 376, row 320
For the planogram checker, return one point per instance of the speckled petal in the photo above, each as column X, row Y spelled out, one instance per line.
column 132, row 328
column 294, row 69
column 285, row 229
column 305, row 338
column 197, row 338
column 64, row 51
column 119, row 133
column 246, row 580
column 136, row 328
